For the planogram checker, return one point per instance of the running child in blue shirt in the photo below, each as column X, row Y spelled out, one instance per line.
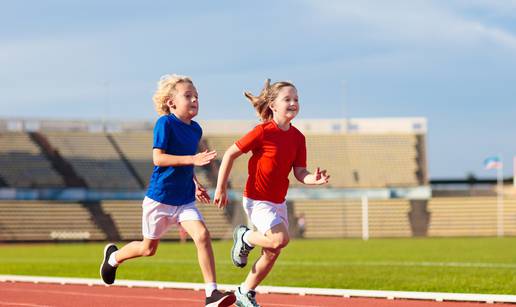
column 173, row 188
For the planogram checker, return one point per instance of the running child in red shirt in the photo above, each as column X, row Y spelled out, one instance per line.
column 277, row 147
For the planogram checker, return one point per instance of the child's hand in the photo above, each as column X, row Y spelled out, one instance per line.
column 321, row 177
column 221, row 198
column 204, row 157
column 201, row 194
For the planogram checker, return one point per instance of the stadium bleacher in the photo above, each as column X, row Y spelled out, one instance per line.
column 128, row 220
column 46, row 221
column 121, row 160
column 93, row 157
column 137, row 147
column 365, row 161
column 23, row 165
column 469, row 216
column 343, row 218
column 221, row 143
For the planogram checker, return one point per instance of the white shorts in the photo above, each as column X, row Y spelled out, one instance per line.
column 157, row 218
column 265, row 214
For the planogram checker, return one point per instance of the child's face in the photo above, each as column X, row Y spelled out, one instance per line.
column 286, row 105
column 185, row 100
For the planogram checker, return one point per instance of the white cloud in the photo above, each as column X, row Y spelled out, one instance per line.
column 481, row 31
column 413, row 22
column 499, row 8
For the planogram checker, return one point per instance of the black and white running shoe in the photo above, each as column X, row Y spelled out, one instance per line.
column 219, row 299
column 108, row 272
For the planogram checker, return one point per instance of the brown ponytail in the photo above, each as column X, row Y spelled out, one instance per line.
column 262, row 102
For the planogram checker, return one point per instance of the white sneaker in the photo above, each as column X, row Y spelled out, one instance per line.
column 240, row 250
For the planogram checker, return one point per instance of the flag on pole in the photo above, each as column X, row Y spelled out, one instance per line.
column 493, row 163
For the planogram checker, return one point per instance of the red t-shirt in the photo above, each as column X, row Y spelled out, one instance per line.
column 275, row 153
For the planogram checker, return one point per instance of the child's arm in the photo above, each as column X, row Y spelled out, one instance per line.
column 220, row 199
column 304, row 176
column 160, row 158
column 200, row 192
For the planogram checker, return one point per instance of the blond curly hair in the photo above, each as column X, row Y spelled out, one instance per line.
column 166, row 89
column 269, row 93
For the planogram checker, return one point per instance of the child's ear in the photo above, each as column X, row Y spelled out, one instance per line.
column 170, row 102
column 272, row 107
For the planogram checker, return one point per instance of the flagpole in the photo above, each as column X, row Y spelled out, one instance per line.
column 499, row 172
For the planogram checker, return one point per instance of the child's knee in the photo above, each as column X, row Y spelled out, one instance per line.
column 149, row 251
column 280, row 242
column 271, row 254
column 202, row 236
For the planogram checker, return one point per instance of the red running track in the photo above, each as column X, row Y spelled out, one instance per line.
column 19, row 294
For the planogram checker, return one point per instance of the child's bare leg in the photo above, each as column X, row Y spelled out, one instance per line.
column 275, row 239
column 135, row 249
column 113, row 257
column 201, row 237
column 261, row 267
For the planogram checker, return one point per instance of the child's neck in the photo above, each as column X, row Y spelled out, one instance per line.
column 283, row 124
column 185, row 119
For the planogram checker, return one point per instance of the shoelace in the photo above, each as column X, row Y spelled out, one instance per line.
column 244, row 251
column 250, row 295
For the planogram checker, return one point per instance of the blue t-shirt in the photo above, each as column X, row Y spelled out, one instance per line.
column 173, row 185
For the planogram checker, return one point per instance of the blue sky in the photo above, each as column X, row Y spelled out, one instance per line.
column 453, row 62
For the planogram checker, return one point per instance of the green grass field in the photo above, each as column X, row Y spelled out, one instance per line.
column 469, row 265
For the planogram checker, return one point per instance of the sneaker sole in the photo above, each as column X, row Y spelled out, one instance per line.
column 235, row 238
column 103, row 261
column 223, row 302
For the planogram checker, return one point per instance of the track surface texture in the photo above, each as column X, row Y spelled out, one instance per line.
column 56, row 295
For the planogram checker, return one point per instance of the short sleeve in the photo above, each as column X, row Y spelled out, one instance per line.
column 161, row 133
column 251, row 140
column 300, row 160
column 198, row 128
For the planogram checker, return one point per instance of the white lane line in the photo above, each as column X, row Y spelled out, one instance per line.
column 456, row 264
column 22, row 304
column 403, row 263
